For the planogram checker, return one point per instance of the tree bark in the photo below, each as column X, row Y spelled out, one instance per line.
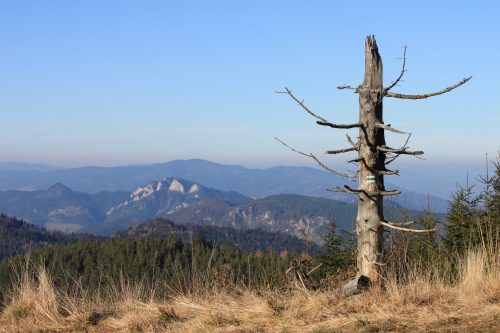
column 370, row 201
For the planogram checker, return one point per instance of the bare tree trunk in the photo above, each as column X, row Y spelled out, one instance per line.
column 372, row 152
column 370, row 207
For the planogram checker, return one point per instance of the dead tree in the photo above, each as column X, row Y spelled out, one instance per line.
column 373, row 157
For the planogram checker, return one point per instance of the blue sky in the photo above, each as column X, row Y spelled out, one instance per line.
column 119, row 82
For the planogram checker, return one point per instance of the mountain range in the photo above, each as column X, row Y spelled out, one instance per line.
column 161, row 199
column 184, row 202
column 255, row 183
column 61, row 208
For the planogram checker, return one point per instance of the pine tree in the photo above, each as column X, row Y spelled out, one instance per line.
column 426, row 245
column 463, row 219
column 338, row 253
column 490, row 197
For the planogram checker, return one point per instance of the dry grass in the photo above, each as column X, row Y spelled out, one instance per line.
column 427, row 304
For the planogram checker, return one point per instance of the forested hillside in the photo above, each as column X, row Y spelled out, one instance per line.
column 17, row 236
column 248, row 239
column 156, row 262
column 297, row 215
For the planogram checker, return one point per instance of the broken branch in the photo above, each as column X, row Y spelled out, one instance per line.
column 369, row 194
column 301, row 103
column 400, row 75
column 340, row 151
column 384, row 193
column 355, row 145
column 388, row 172
column 401, row 151
column 315, row 268
column 422, row 96
column 399, row 223
column 405, row 229
column 373, row 170
column 329, row 124
column 393, row 158
column 321, row 164
column 389, row 128
column 345, row 86
column 345, row 189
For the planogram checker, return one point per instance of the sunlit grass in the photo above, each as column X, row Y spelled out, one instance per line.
column 426, row 303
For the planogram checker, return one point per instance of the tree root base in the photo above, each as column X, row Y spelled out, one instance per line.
column 356, row 286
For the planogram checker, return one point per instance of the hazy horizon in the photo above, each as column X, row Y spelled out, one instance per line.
column 437, row 178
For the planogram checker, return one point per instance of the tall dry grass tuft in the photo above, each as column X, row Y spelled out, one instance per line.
column 427, row 301
column 34, row 302
column 479, row 276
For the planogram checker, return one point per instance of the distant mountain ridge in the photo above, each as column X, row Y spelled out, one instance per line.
column 183, row 187
column 249, row 182
column 184, row 202
column 300, row 216
column 180, row 200
column 15, row 166
column 159, row 199
column 60, row 208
